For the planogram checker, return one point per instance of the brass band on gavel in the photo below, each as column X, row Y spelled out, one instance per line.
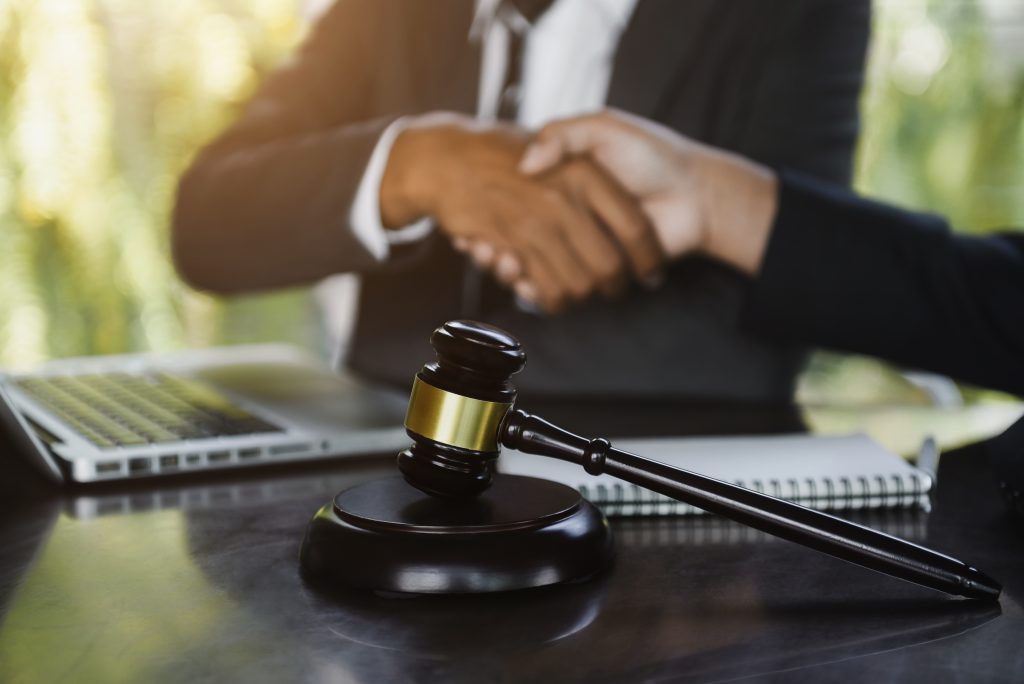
column 454, row 419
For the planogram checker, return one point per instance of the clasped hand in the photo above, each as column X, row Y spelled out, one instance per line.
column 556, row 237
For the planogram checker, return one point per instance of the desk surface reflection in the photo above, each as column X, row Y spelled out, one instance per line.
column 198, row 580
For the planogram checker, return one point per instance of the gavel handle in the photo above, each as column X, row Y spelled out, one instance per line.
column 820, row 531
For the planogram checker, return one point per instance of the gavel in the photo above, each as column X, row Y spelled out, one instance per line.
column 462, row 411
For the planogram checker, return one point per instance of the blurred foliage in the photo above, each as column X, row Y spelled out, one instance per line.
column 103, row 102
column 944, row 110
column 943, row 131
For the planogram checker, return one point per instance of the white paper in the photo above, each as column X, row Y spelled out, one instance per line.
column 827, row 472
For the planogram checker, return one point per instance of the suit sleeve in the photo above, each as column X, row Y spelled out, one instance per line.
column 267, row 204
column 804, row 106
column 854, row 275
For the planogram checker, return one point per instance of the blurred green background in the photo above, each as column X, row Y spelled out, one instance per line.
column 103, row 102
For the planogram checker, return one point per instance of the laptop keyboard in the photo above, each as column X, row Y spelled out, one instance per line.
column 121, row 409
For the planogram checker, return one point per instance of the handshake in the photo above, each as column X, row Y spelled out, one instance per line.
column 581, row 207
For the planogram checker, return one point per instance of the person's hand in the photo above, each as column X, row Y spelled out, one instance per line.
column 698, row 198
column 556, row 238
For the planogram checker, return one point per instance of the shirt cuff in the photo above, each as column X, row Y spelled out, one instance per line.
column 365, row 217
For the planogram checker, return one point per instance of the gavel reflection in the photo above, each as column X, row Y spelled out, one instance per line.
column 461, row 413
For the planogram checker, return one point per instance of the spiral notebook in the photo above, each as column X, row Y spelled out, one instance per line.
column 825, row 472
column 645, row 532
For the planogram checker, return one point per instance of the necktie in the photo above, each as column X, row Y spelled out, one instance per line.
column 530, row 10
column 519, row 16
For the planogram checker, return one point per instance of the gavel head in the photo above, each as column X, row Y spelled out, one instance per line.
column 456, row 409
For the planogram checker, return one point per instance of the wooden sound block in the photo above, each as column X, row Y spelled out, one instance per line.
column 522, row 532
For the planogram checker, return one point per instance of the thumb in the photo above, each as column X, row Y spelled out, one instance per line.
column 542, row 154
column 560, row 139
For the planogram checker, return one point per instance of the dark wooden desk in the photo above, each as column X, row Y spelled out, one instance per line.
column 197, row 580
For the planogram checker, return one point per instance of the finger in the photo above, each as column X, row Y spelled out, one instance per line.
column 469, row 228
column 551, row 290
column 620, row 214
column 548, row 293
column 560, row 139
column 527, row 291
column 604, row 262
column 571, row 283
column 522, row 230
column 542, row 154
column 577, row 250
column 505, row 266
column 508, row 269
column 551, row 246
column 483, row 254
column 524, row 290
column 533, row 223
column 591, row 243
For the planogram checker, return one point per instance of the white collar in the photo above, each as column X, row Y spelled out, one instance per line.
column 617, row 12
column 484, row 17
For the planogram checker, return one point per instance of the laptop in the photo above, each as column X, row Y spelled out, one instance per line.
column 144, row 415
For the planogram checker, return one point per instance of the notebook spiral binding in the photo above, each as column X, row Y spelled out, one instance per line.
column 877, row 491
column 711, row 530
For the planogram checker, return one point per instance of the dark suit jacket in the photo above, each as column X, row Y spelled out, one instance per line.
column 267, row 204
column 851, row 274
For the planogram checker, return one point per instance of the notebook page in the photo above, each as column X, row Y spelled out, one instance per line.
column 821, row 471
